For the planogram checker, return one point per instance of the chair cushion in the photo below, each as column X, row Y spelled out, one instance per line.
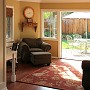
column 35, row 50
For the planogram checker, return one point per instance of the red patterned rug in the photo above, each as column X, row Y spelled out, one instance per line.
column 60, row 75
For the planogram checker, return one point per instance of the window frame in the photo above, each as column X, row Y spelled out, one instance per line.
column 12, row 27
column 42, row 23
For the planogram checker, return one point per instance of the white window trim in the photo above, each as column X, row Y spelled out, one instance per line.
column 59, row 31
column 12, row 37
column 42, row 24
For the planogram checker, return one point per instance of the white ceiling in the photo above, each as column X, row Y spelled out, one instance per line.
column 55, row 1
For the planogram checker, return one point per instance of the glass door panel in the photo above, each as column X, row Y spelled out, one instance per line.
column 75, row 35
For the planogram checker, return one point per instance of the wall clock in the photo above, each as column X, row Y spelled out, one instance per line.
column 28, row 12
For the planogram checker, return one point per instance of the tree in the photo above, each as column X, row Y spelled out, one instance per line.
column 47, row 14
column 65, row 13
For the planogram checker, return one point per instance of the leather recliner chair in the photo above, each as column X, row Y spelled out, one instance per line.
column 28, row 45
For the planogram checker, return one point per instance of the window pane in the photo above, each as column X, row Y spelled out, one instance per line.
column 50, row 24
column 9, row 27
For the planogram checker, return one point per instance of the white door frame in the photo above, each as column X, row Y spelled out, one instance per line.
column 60, row 42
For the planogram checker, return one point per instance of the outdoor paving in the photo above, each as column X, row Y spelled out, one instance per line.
column 75, row 54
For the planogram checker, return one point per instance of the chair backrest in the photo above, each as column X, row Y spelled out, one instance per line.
column 69, row 38
column 77, row 36
column 33, row 42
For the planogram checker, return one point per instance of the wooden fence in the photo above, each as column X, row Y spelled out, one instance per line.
column 72, row 26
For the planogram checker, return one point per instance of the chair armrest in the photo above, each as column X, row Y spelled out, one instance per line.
column 21, row 46
column 45, row 46
column 86, row 65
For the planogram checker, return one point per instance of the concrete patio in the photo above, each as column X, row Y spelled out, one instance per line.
column 75, row 54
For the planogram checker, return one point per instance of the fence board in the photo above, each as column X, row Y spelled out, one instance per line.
column 71, row 26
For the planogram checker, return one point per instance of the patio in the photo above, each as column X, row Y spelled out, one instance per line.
column 76, row 24
column 72, row 54
column 76, row 50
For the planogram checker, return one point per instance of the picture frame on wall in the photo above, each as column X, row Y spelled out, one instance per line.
column 30, row 20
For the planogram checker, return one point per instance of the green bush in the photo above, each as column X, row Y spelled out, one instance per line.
column 88, row 35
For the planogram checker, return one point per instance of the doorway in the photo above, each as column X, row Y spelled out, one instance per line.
column 75, row 35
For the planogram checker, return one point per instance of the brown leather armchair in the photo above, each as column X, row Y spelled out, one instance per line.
column 86, row 74
column 28, row 45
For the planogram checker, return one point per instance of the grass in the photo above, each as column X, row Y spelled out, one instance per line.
column 65, row 45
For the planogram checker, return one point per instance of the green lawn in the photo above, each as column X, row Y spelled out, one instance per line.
column 65, row 45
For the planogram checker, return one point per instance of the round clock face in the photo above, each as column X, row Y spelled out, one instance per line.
column 28, row 12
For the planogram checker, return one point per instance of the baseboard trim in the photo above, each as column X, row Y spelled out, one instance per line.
column 55, row 57
column 3, row 86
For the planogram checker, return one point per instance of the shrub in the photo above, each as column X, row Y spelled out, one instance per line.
column 88, row 35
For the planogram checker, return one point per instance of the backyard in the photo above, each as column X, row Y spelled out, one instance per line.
column 77, row 50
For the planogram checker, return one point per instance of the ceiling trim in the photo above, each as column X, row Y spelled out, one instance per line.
column 57, row 1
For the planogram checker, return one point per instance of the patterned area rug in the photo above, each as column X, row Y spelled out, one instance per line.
column 59, row 75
